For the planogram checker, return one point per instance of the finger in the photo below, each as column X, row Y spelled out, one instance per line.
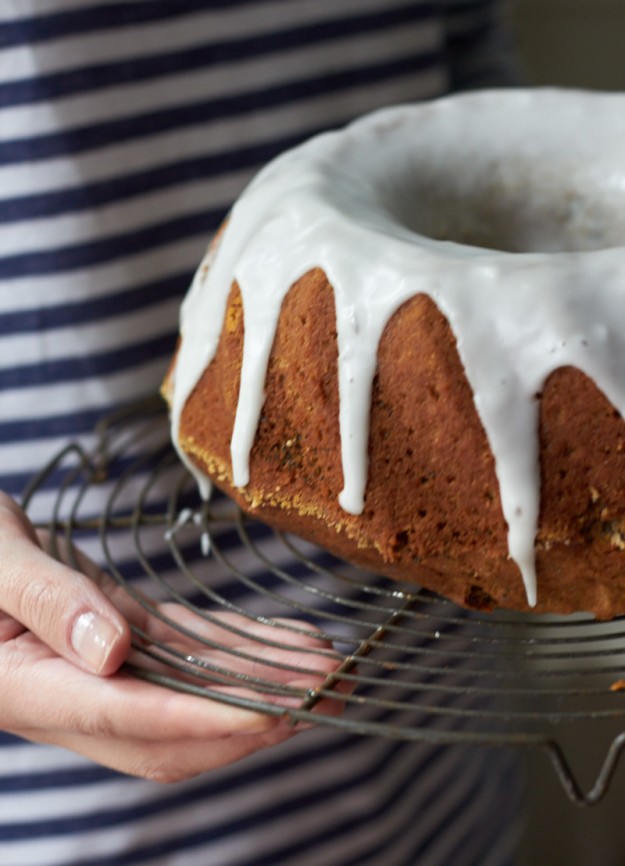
column 167, row 763
column 322, row 690
column 59, row 548
column 43, row 692
column 230, row 628
column 11, row 506
column 275, row 663
column 260, row 665
column 65, row 609
column 9, row 627
column 231, row 631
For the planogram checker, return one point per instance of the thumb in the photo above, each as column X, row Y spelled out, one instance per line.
column 64, row 609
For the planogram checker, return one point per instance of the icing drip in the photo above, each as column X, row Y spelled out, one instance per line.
column 507, row 209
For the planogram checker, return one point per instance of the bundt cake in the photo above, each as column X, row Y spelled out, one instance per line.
column 407, row 344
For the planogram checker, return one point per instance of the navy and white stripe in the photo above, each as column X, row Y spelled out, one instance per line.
column 126, row 131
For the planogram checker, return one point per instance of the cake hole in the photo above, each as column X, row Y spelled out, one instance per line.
column 401, row 540
column 515, row 205
column 478, row 599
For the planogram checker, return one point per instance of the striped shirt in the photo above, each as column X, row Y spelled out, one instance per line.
column 126, row 131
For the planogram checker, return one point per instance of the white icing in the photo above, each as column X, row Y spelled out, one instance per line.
column 506, row 208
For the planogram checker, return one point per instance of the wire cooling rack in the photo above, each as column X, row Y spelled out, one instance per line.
column 228, row 600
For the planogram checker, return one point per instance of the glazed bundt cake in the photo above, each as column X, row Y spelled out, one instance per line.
column 407, row 344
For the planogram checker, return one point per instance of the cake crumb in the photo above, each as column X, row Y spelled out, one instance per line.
column 617, row 540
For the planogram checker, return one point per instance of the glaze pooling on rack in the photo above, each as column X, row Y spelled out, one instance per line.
column 506, row 208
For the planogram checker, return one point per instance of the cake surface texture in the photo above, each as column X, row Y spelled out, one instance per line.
column 407, row 344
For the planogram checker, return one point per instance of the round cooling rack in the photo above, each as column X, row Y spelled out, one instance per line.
column 230, row 610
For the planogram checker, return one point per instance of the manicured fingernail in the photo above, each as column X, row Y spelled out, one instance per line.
column 93, row 638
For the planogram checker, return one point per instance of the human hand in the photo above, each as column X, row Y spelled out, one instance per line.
column 63, row 639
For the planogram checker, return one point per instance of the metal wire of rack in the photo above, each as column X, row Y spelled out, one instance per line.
column 255, row 618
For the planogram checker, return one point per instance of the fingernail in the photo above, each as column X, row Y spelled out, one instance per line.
column 93, row 638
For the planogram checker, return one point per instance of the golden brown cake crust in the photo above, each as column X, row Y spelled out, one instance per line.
column 432, row 508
